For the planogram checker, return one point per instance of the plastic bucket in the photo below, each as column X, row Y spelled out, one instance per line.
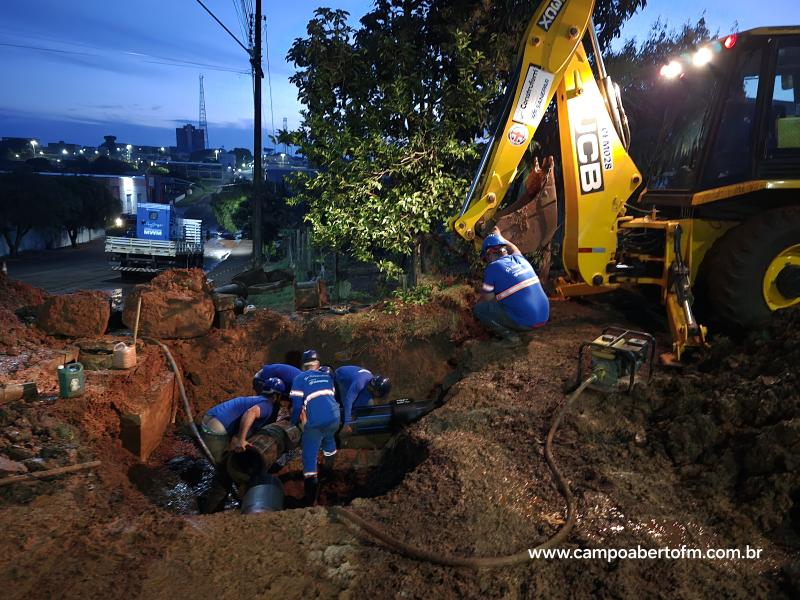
column 71, row 380
column 124, row 356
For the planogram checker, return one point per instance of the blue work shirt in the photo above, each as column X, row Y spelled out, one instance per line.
column 353, row 382
column 314, row 400
column 516, row 287
column 230, row 412
column 286, row 373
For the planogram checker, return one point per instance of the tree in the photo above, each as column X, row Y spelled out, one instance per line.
column 84, row 203
column 394, row 111
column 233, row 210
column 26, row 202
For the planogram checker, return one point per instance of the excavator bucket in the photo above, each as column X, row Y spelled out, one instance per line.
column 531, row 221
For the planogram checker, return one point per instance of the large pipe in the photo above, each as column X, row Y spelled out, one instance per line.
column 265, row 494
column 383, row 418
column 265, row 447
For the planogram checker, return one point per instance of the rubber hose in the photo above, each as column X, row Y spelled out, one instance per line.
column 486, row 562
column 185, row 400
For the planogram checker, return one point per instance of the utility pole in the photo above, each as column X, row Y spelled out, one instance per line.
column 258, row 74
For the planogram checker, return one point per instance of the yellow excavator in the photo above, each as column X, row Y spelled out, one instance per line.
column 720, row 208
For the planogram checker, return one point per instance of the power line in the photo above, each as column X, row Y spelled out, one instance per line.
column 162, row 60
column 222, row 25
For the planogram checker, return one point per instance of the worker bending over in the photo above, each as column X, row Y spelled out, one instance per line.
column 225, row 428
column 512, row 297
column 356, row 387
column 286, row 373
column 315, row 410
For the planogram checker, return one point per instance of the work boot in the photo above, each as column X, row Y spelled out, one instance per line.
column 311, row 486
column 327, row 467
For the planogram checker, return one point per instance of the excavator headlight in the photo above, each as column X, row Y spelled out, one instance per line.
column 702, row 57
column 672, row 70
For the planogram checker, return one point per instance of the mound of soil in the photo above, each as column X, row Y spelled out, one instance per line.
column 15, row 294
column 175, row 304
column 673, row 464
column 740, row 410
column 82, row 314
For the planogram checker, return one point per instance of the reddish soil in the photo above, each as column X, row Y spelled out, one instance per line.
column 705, row 456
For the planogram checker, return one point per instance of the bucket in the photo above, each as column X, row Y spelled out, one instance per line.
column 124, row 356
column 71, row 380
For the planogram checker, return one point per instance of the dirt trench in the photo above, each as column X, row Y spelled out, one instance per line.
column 677, row 462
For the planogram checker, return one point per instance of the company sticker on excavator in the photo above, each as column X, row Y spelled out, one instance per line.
column 589, row 152
column 533, row 99
column 518, row 134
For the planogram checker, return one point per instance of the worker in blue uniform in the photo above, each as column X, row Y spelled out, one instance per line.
column 225, row 428
column 286, row 373
column 315, row 410
column 357, row 387
column 512, row 298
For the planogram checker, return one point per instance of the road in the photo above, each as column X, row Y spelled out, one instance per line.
column 86, row 268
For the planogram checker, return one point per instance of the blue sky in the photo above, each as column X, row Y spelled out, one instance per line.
column 77, row 70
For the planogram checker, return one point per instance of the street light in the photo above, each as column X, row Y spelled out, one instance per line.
column 33, row 146
column 64, row 151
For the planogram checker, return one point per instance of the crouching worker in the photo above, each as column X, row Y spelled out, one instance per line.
column 357, row 387
column 512, row 299
column 315, row 410
column 225, row 428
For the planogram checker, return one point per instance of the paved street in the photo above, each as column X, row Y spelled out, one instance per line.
column 86, row 268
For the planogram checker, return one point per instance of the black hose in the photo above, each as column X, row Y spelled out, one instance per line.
column 185, row 400
column 486, row 562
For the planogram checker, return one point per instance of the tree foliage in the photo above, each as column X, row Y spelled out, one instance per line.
column 233, row 210
column 83, row 202
column 394, row 111
column 29, row 201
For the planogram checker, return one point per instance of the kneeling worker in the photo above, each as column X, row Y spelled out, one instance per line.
column 315, row 409
column 358, row 387
column 512, row 297
column 225, row 428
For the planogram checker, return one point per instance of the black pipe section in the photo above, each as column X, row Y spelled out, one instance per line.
column 265, row 494
column 232, row 288
column 383, row 418
column 266, row 446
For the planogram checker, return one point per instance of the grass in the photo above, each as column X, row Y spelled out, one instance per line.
column 281, row 299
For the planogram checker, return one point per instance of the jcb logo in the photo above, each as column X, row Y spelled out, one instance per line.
column 587, row 147
column 550, row 13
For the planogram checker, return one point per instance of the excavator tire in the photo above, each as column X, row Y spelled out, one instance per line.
column 738, row 263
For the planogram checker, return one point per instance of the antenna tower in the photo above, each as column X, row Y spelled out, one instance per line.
column 202, row 121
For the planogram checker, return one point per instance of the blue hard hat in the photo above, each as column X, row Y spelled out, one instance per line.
column 325, row 369
column 273, row 385
column 492, row 240
column 379, row 386
column 310, row 355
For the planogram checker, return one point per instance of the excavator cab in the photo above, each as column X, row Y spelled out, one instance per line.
column 728, row 168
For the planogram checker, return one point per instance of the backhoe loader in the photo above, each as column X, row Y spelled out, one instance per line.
column 719, row 210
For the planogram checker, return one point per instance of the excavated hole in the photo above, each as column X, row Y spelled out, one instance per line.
column 364, row 472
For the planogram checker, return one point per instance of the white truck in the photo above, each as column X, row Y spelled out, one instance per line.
column 160, row 240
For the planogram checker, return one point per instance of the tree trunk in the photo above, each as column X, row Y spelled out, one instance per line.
column 12, row 248
column 73, row 236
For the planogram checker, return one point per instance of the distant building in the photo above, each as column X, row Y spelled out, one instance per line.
column 15, row 148
column 190, row 139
